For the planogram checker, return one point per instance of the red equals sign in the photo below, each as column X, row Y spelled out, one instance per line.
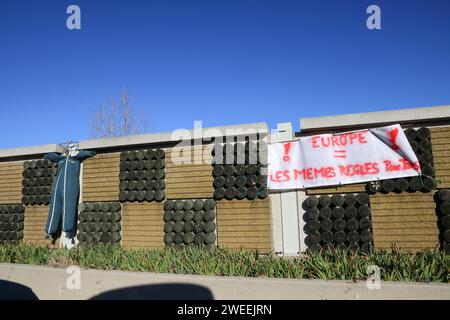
column 340, row 153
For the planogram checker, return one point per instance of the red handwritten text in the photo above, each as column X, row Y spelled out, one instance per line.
column 403, row 165
column 342, row 140
column 302, row 174
column 286, row 146
column 393, row 136
column 314, row 173
column 363, row 169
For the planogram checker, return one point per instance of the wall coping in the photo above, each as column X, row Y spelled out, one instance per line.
column 344, row 121
column 176, row 136
column 169, row 137
column 30, row 151
column 379, row 118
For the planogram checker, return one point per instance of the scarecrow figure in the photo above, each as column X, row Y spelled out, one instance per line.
column 65, row 190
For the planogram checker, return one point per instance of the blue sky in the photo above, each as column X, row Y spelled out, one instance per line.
column 219, row 61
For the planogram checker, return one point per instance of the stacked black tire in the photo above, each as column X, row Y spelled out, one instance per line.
column 142, row 176
column 99, row 222
column 190, row 222
column 443, row 208
column 421, row 144
column 239, row 170
column 11, row 223
column 38, row 177
column 341, row 222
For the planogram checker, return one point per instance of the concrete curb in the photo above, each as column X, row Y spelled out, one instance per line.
column 53, row 283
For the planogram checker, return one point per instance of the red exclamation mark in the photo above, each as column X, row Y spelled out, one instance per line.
column 393, row 136
column 287, row 147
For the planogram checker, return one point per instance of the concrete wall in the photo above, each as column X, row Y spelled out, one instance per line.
column 142, row 222
column 283, row 213
column 400, row 220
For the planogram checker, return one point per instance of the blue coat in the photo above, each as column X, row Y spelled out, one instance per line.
column 65, row 192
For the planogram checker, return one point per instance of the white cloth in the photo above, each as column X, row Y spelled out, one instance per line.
column 344, row 158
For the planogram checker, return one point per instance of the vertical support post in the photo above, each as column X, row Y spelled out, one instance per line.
column 277, row 225
column 289, row 210
column 275, row 201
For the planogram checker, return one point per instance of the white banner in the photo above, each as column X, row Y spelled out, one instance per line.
column 345, row 158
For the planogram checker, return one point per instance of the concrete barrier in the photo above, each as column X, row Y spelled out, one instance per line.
column 42, row 282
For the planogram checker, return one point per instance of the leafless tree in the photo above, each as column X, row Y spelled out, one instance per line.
column 118, row 118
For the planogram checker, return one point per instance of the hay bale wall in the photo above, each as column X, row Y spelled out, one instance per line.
column 11, row 182
column 101, row 177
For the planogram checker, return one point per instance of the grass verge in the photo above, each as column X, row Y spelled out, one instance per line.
column 428, row 266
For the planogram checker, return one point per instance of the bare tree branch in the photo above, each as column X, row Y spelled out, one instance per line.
column 117, row 119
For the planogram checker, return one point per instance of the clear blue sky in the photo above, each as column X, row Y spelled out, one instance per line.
column 220, row 61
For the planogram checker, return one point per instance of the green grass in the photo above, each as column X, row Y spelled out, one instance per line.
column 428, row 266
